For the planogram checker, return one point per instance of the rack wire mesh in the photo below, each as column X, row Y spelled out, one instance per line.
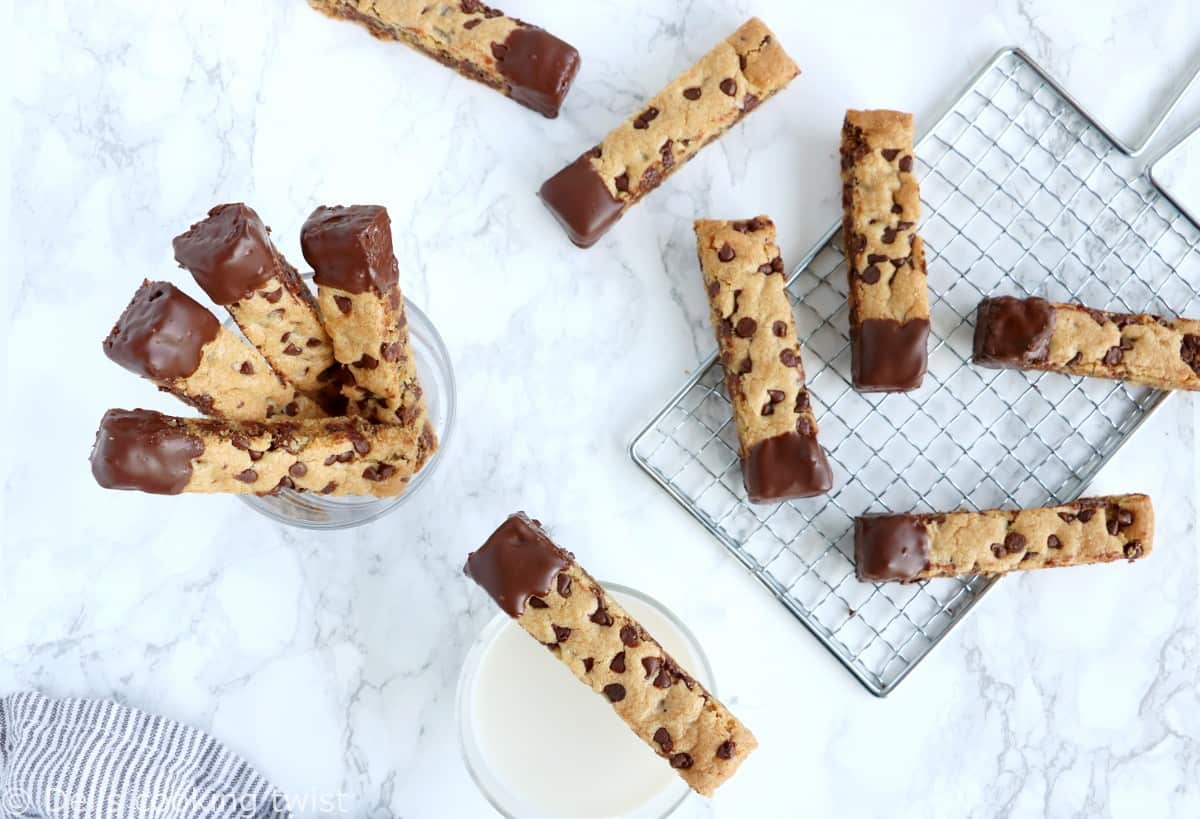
column 1023, row 194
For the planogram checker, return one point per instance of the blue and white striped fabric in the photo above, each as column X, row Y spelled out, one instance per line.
column 94, row 759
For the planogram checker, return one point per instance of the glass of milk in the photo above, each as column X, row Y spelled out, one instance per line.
column 539, row 743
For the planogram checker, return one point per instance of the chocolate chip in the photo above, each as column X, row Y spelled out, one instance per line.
column 615, row 692
column 629, row 635
column 746, row 327
column 726, row 328
column 746, row 366
column 1134, row 550
column 788, row 358
column 618, row 663
column 379, row 473
column 1075, row 359
column 779, row 328
column 1086, row 514
column 997, row 550
column 870, row 275
column 643, row 119
column 601, row 617
column 1014, row 542
column 728, row 86
column 390, row 352
column 499, row 50
column 561, row 633
column 652, row 665
column 725, row 749
column 804, row 426
column 1067, row 516
column 297, row 470
column 1124, row 518
column 897, row 208
column 663, row 737
column 767, row 409
column 564, row 585
column 588, row 662
column 750, row 225
column 713, row 289
column 247, row 476
column 889, row 235
column 361, row 445
column 622, row 183
column 776, row 396
column 681, row 761
column 343, row 303
column 1053, row 542
column 470, row 24
column 726, row 253
column 1189, row 351
column 274, row 296
column 313, row 342
column 292, row 349
column 246, row 369
column 329, row 487
column 291, row 409
column 1113, row 356
column 1110, row 523
column 538, row 603
column 902, row 225
column 906, row 163
column 876, row 258
column 692, row 93
column 890, row 153
column 749, row 103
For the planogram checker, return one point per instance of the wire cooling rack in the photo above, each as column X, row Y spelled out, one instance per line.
column 1023, row 193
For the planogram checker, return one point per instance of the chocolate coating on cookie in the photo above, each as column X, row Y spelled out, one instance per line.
column 890, row 547
column 792, row 465
column 162, row 333
column 350, row 248
column 581, row 202
column 888, row 356
column 229, row 253
column 517, row 562
column 1013, row 332
column 539, row 68
column 143, row 450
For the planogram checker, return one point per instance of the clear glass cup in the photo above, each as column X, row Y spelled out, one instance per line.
column 312, row 511
column 572, row 740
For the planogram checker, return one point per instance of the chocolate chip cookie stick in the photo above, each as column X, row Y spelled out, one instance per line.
column 151, row 452
column 589, row 195
column 885, row 258
column 519, row 60
column 764, row 376
column 1088, row 530
column 232, row 258
column 350, row 250
column 564, row 608
column 1035, row 334
column 165, row 336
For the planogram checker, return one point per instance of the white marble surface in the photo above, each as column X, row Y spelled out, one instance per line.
column 329, row 660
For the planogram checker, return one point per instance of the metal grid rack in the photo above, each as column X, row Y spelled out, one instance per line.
column 1022, row 193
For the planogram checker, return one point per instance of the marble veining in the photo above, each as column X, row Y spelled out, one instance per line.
column 329, row 660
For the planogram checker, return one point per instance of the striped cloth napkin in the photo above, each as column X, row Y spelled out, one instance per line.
column 95, row 759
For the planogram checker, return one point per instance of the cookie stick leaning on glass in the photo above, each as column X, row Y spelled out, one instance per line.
column 1035, row 334
column 562, row 606
column 742, row 71
column 151, row 452
column 764, row 376
column 519, row 60
column 885, row 258
column 956, row 544
column 166, row 337
column 232, row 258
column 358, row 289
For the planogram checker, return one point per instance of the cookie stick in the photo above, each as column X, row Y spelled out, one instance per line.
column 590, row 195
column 885, row 258
column 231, row 256
column 1036, row 334
column 519, row 60
column 161, row 454
column 764, row 376
column 350, row 250
column 954, row 544
column 562, row 606
column 165, row 336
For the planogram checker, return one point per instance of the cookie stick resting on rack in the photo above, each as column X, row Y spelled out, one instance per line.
column 165, row 336
column 764, row 376
column 885, row 258
column 161, row 454
column 563, row 607
column 955, row 544
column 1036, row 334
column 589, row 195
column 519, row 60
column 232, row 257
